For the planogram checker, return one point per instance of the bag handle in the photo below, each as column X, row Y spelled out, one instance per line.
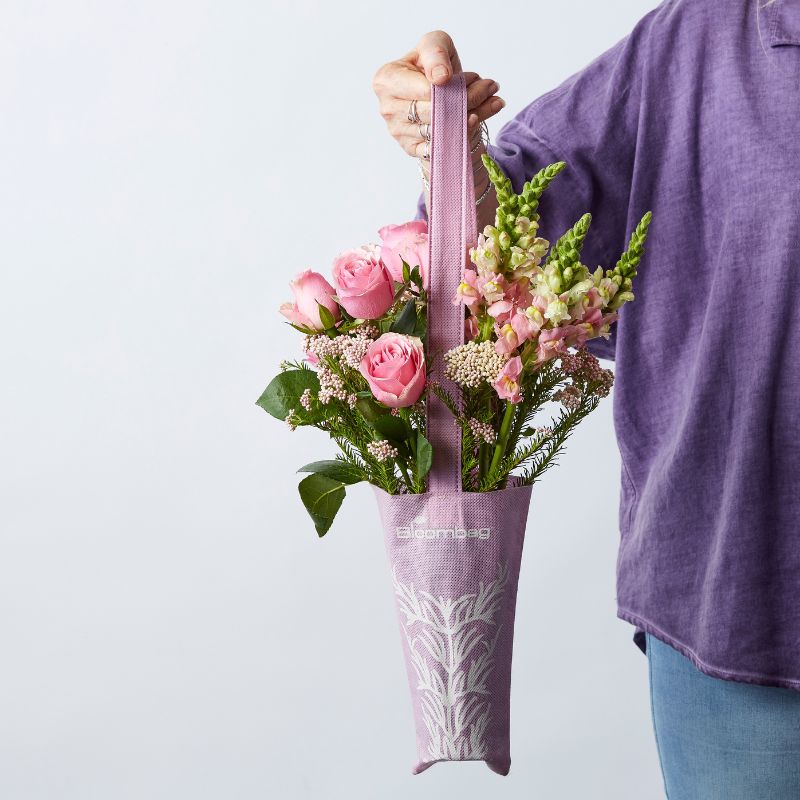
column 451, row 232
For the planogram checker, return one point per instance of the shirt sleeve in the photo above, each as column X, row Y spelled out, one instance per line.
column 590, row 122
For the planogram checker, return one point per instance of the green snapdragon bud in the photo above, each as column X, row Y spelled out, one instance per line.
column 629, row 260
column 580, row 288
column 567, row 250
column 620, row 299
column 533, row 189
column 552, row 276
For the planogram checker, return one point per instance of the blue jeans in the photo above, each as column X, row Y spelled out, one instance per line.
column 721, row 739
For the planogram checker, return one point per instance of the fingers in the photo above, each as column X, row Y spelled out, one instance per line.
column 488, row 108
column 479, row 91
column 400, row 79
column 434, row 61
column 408, row 134
column 437, row 57
column 395, row 111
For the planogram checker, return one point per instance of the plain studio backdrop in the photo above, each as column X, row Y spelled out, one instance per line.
column 170, row 624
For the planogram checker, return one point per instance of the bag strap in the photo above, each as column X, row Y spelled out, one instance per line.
column 451, row 232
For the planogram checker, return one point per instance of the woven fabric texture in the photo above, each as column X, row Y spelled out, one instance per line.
column 454, row 555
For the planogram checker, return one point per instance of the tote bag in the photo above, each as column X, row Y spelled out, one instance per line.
column 454, row 555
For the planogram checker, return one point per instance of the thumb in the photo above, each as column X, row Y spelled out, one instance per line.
column 437, row 56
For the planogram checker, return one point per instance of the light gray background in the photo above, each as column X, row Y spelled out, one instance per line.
column 170, row 625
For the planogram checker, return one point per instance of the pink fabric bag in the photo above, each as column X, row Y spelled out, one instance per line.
column 454, row 555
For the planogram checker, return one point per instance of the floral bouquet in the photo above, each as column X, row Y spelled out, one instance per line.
column 432, row 378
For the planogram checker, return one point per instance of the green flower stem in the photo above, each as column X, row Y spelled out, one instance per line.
column 502, row 439
column 483, row 461
column 405, row 415
column 406, row 474
column 528, row 352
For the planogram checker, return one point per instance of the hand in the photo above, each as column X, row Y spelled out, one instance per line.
column 433, row 60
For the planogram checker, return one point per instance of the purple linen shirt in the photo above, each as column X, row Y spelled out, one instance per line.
column 696, row 116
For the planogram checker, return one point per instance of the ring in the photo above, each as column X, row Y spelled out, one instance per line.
column 412, row 115
column 425, row 131
column 427, row 154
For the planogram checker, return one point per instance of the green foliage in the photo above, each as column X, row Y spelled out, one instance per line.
column 282, row 396
column 424, row 456
column 326, row 318
column 337, row 469
column 391, row 428
column 406, row 320
column 322, row 496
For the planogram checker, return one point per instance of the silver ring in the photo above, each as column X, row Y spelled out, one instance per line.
column 425, row 131
column 427, row 154
column 412, row 115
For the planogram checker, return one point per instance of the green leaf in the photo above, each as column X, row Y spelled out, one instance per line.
column 406, row 271
column 421, row 328
column 406, row 321
column 416, row 278
column 326, row 318
column 391, row 427
column 336, row 470
column 284, row 391
column 303, row 328
column 322, row 496
column 369, row 408
column 424, row 455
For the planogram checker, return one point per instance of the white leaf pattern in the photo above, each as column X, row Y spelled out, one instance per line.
column 452, row 652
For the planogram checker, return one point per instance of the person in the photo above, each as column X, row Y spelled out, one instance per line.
column 694, row 115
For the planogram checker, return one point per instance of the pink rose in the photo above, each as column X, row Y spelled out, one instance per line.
column 363, row 285
column 408, row 241
column 394, row 368
column 507, row 383
column 310, row 289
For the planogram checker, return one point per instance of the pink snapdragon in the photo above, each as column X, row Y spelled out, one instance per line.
column 507, row 383
column 511, row 334
column 551, row 343
column 493, row 287
column 310, row 291
column 468, row 292
column 486, row 255
column 517, row 296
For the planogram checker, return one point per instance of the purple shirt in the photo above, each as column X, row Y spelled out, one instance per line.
column 696, row 116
